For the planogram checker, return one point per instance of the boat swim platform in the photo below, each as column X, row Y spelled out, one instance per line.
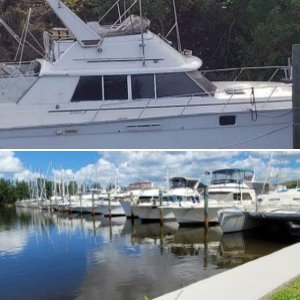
column 253, row 280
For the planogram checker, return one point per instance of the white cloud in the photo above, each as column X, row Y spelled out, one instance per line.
column 9, row 163
column 130, row 166
column 27, row 175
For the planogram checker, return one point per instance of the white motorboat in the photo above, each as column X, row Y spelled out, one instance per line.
column 229, row 188
column 147, row 206
column 122, row 86
column 160, row 206
column 236, row 220
column 131, row 196
column 281, row 205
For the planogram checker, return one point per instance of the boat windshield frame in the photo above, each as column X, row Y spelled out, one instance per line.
column 232, row 176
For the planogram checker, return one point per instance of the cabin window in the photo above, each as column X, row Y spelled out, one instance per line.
column 237, row 196
column 142, row 86
column 115, row 87
column 176, row 84
column 246, row 196
column 227, row 120
column 89, row 88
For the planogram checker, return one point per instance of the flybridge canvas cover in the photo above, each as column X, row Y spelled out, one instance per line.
column 131, row 25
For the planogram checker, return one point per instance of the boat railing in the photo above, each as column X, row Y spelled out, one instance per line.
column 253, row 94
column 14, row 69
column 264, row 73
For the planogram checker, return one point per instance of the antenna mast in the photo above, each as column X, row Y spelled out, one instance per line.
column 142, row 32
column 177, row 27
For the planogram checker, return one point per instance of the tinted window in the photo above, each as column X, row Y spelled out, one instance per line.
column 142, row 86
column 115, row 87
column 246, row 196
column 176, row 84
column 227, row 120
column 89, row 88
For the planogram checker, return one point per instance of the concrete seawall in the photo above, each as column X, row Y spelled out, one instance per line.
column 251, row 281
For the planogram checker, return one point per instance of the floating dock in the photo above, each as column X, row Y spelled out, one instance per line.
column 251, row 281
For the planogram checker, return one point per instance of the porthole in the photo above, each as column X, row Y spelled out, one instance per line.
column 227, row 120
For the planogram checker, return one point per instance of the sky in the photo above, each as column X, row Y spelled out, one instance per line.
column 126, row 167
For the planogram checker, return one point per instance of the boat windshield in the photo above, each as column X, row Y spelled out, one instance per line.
column 231, row 176
column 202, row 81
column 176, row 183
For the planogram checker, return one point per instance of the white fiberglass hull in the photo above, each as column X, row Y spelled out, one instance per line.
column 153, row 213
column 115, row 209
column 186, row 131
column 126, row 205
column 235, row 220
column 195, row 215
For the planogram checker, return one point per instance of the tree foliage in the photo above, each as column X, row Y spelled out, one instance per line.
column 10, row 192
column 223, row 33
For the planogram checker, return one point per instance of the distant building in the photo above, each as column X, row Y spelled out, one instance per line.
column 141, row 185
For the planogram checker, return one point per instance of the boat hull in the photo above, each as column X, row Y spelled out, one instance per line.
column 126, row 205
column 153, row 213
column 187, row 131
column 232, row 220
column 195, row 215
column 115, row 209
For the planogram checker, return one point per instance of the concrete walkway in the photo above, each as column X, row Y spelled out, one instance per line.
column 253, row 280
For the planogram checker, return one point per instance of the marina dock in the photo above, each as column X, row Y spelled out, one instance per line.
column 254, row 280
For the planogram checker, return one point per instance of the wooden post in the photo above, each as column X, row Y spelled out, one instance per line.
column 205, row 208
column 161, row 216
column 109, row 206
column 131, row 203
column 93, row 206
column 296, row 96
column 80, row 201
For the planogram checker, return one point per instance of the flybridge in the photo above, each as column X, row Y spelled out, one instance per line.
column 82, row 32
column 91, row 34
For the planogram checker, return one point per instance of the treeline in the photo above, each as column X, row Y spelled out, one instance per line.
column 11, row 191
column 224, row 33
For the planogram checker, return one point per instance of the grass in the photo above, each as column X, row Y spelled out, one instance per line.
column 290, row 292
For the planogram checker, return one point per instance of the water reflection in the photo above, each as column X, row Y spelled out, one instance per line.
column 55, row 255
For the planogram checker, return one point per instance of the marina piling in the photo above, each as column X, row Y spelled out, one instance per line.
column 205, row 208
column 93, row 205
column 131, row 202
column 109, row 206
column 161, row 217
column 296, row 96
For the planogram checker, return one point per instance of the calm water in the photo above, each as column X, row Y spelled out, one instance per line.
column 51, row 256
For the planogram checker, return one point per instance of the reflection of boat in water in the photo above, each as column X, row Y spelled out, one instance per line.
column 190, row 241
column 236, row 248
column 151, row 232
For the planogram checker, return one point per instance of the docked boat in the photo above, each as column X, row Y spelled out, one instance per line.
column 131, row 196
column 108, row 205
column 229, row 188
column 122, row 86
column 279, row 206
column 159, row 206
column 147, row 206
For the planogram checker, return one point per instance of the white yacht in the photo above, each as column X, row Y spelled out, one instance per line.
column 109, row 205
column 147, row 206
column 181, row 190
column 280, row 205
column 122, row 86
column 229, row 188
column 131, row 196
